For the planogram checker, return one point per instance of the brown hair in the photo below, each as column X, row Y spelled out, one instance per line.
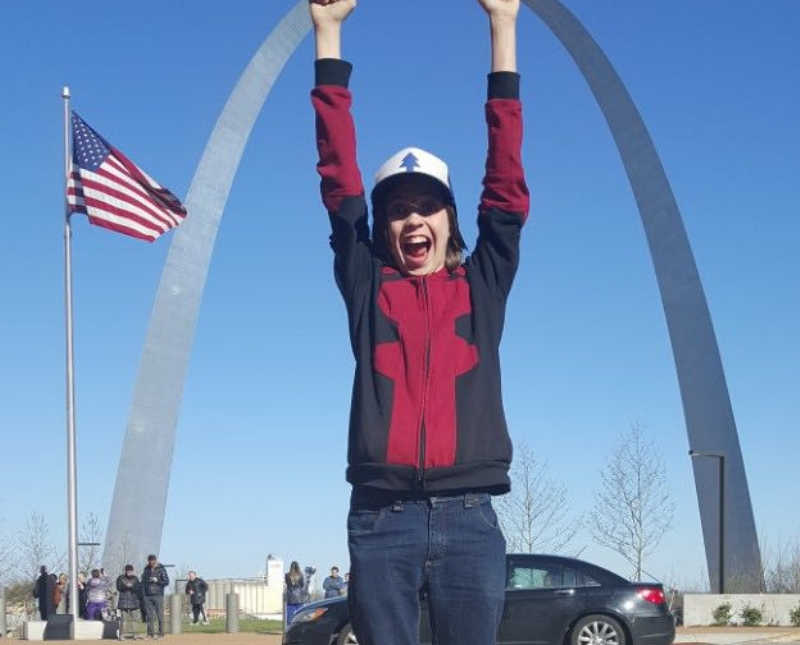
column 455, row 243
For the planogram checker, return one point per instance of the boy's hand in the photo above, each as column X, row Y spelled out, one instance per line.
column 327, row 13
column 500, row 8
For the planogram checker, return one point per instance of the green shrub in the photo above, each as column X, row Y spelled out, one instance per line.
column 794, row 616
column 722, row 614
column 751, row 616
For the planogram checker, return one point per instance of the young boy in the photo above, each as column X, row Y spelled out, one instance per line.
column 428, row 442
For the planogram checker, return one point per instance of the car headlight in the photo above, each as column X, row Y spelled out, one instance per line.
column 308, row 616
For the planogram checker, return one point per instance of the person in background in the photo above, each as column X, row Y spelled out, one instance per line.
column 296, row 591
column 60, row 594
column 96, row 596
column 196, row 590
column 82, row 593
column 43, row 592
column 111, row 590
column 154, row 580
column 129, row 593
column 334, row 584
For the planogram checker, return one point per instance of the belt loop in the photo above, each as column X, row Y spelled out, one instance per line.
column 397, row 507
column 469, row 500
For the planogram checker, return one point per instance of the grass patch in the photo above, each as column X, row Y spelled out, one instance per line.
column 246, row 624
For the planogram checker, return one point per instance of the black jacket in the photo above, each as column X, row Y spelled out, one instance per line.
column 426, row 415
column 199, row 587
column 130, row 590
column 43, row 592
column 296, row 592
column 154, row 579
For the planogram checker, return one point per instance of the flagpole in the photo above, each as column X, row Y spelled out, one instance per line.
column 72, row 500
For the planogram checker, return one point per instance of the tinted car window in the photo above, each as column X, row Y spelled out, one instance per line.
column 587, row 581
column 547, row 576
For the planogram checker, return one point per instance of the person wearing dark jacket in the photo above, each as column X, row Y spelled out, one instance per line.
column 296, row 591
column 43, row 591
column 154, row 580
column 82, row 595
column 428, row 442
column 196, row 590
column 334, row 585
column 129, row 590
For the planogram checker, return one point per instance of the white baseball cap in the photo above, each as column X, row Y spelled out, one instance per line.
column 412, row 161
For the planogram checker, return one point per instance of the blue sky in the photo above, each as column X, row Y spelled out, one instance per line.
column 260, row 455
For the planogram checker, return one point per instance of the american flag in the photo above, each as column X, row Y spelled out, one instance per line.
column 114, row 192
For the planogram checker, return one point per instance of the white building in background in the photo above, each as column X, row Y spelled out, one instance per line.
column 261, row 597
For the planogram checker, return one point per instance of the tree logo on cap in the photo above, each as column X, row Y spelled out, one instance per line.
column 410, row 162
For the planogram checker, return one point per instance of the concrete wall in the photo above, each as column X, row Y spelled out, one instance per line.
column 698, row 609
column 85, row 630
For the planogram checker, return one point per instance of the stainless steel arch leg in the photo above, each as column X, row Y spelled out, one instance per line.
column 140, row 493
column 706, row 405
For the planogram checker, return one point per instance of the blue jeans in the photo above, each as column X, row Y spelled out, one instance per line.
column 450, row 548
column 291, row 610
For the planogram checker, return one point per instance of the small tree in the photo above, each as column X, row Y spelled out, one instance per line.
column 91, row 533
column 35, row 549
column 117, row 555
column 633, row 508
column 7, row 560
column 794, row 616
column 751, row 616
column 722, row 614
column 781, row 566
column 535, row 514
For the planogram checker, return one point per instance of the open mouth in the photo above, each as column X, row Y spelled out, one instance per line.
column 416, row 247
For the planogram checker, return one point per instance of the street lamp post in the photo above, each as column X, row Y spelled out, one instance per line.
column 721, row 457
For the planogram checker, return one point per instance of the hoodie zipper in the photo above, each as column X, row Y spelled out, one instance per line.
column 426, row 377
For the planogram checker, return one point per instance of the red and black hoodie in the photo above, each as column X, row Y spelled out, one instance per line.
column 427, row 412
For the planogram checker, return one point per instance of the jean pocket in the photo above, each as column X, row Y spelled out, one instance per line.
column 487, row 514
column 362, row 521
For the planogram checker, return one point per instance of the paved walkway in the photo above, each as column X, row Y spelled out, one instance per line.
column 737, row 635
column 684, row 636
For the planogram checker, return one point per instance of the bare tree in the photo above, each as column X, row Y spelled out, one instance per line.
column 35, row 549
column 535, row 515
column 781, row 566
column 119, row 554
column 7, row 560
column 90, row 534
column 633, row 508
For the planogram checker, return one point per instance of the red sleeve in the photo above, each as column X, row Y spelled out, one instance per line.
column 504, row 186
column 336, row 143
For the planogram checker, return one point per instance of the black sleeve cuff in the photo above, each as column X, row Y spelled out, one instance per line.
column 503, row 85
column 332, row 71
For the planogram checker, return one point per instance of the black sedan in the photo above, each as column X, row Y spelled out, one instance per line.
column 549, row 600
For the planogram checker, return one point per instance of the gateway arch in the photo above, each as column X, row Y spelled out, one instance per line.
column 150, row 434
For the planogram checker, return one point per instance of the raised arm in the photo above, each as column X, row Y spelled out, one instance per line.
column 327, row 17
column 505, row 200
column 503, row 25
column 341, row 185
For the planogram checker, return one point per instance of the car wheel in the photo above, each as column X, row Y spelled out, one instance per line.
column 597, row 629
column 346, row 636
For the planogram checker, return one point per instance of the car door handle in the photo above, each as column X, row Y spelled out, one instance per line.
column 565, row 592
